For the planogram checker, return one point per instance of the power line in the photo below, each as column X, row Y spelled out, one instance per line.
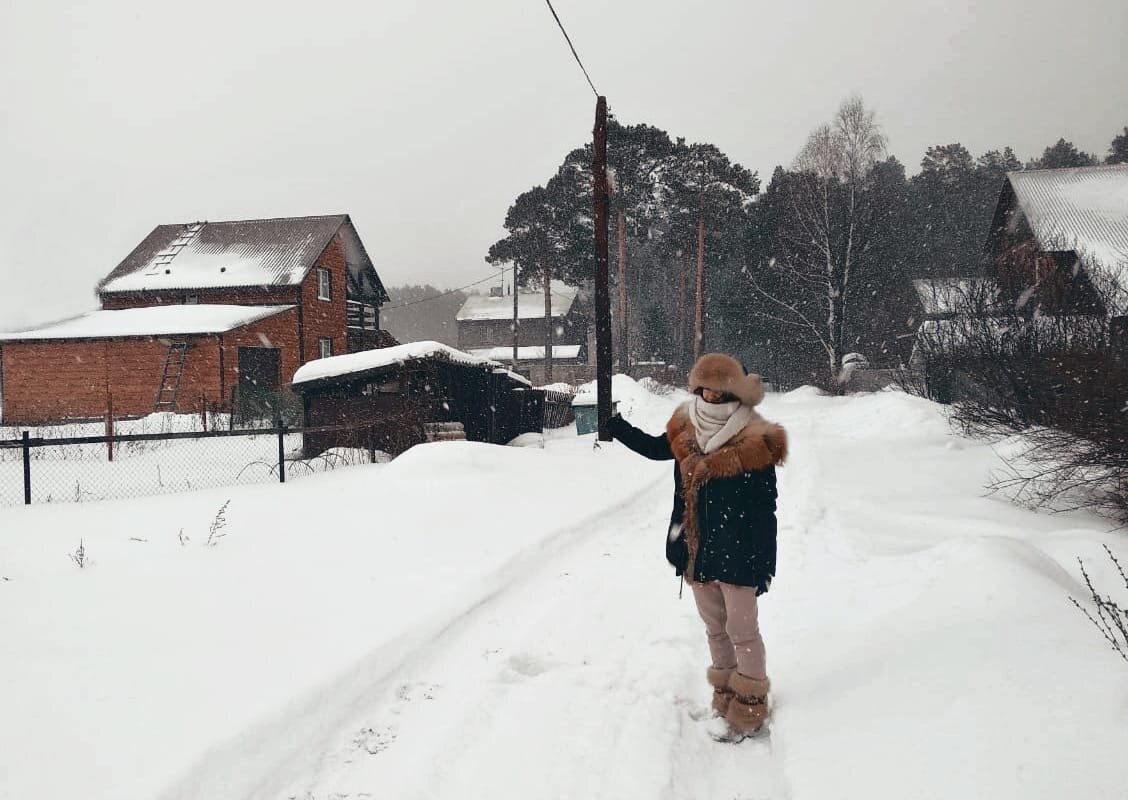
column 443, row 294
column 568, row 39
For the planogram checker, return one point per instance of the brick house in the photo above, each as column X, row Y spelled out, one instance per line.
column 196, row 314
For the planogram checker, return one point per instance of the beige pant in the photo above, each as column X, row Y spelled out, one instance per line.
column 732, row 626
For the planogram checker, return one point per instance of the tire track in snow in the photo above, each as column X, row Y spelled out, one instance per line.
column 268, row 757
column 570, row 681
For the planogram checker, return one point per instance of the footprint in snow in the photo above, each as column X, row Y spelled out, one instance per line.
column 406, row 692
column 524, row 665
column 374, row 740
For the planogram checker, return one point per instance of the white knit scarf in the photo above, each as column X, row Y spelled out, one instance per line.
column 716, row 423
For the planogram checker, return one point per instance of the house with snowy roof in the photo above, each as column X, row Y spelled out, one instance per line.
column 485, row 326
column 198, row 315
column 1057, row 251
column 1058, row 242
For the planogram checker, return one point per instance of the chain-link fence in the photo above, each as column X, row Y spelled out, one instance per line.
column 42, row 466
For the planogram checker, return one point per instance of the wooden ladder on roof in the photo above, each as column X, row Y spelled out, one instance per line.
column 169, row 389
column 165, row 257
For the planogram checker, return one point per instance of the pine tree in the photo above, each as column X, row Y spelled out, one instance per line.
column 1118, row 150
column 1063, row 154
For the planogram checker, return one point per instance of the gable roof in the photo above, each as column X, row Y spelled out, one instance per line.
column 257, row 252
column 530, row 305
column 175, row 320
column 1082, row 210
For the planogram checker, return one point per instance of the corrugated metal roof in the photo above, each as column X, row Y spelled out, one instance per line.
column 530, row 305
column 260, row 252
column 1084, row 210
column 149, row 321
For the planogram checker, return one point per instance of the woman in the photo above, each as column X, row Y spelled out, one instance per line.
column 723, row 527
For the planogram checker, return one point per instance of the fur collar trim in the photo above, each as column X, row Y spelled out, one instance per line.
column 757, row 446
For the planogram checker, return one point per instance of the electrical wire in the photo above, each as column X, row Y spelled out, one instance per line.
column 568, row 39
column 444, row 294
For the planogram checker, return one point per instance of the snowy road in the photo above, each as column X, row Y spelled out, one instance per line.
column 582, row 677
column 480, row 622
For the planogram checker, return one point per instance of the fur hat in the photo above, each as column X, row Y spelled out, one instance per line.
column 723, row 373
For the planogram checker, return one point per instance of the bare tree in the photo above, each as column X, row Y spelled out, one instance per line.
column 826, row 228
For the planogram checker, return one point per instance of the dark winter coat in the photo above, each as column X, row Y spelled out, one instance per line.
column 724, row 502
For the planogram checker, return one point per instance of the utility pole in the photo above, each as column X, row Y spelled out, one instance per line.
column 516, row 323
column 547, row 321
column 602, row 294
column 699, row 314
column 624, row 349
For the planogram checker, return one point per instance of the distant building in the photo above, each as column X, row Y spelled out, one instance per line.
column 196, row 315
column 1059, row 242
column 1057, row 252
column 485, row 327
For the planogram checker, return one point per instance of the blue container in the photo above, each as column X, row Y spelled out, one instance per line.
column 587, row 417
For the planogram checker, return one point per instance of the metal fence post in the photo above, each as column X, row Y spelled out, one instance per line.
column 27, row 467
column 281, row 429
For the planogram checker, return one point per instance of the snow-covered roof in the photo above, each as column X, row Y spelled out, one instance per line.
column 180, row 320
column 528, row 353
column 1082, row 209
column 260, row 252
column 366, row 360
column 530, row 305
column 940, row 296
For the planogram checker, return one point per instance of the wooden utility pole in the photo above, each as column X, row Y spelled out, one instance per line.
column 602, row 294
column 683, row 308
column 516, row 323
column 624, row 345
column 547, row 321
column 699, row 313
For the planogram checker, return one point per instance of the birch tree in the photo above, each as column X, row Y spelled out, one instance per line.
column 826, row 229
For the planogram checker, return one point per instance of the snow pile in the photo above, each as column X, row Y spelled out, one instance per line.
column 479, row 621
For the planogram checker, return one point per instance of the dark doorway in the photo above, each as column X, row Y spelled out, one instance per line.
column 260, row 377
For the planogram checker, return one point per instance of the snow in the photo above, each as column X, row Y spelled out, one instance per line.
column 180, row 320
column 193, row 268
column 350, row 636
column 528, row 353
column 335, row 366
column 530, row 305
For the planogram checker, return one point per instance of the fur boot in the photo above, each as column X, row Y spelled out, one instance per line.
column 722, row 694
column 749, row 707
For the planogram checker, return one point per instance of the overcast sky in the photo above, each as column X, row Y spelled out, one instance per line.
column 424, row 120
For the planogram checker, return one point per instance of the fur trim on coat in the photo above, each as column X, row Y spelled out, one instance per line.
column 723, row 373
column 759, row 445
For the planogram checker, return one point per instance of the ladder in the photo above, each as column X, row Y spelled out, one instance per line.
column 165, row 257
column 170, row 376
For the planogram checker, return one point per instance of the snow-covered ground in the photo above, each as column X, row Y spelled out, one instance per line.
column 476, row 621
column 83, row 472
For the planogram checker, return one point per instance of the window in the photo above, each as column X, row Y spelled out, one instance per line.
column 191, row 299
column 324, row 347
column 324, row 284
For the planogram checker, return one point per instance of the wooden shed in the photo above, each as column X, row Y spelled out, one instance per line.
column 397, row 397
